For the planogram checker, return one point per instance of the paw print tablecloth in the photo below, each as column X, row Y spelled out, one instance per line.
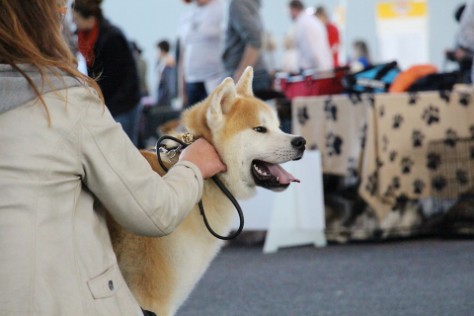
column 384, row 140
column 336, row 126
column 397, row 162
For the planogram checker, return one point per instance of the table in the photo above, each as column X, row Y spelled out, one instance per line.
column 384, row 141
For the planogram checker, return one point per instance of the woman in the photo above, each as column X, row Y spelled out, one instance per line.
column 109, row 59
column 61, row 149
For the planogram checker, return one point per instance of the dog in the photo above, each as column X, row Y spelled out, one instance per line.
column 161, row 272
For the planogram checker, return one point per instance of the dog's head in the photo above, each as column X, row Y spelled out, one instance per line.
column 245, row 132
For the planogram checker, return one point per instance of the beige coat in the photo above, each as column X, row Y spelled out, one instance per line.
column 56, row 257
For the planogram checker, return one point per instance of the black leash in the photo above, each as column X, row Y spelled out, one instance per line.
column 171, row 154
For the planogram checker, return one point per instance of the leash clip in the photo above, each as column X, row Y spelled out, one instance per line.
column 170, row 154
column 188, row 138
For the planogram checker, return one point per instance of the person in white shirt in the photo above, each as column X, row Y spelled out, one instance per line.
column 311, row 39
column 201, row 38
column 290, row 55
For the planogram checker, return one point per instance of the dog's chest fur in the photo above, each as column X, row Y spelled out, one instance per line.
column 163, row 271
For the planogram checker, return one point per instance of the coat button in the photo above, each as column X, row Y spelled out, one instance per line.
column 111, row 285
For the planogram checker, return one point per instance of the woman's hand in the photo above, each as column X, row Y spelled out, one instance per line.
column 205, row 157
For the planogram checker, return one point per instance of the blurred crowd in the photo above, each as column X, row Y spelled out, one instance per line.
column 217, row 39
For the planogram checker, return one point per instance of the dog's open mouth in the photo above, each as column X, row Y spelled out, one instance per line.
column 271, row 176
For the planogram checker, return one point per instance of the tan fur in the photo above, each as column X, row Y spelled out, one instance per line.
column 161, row 272
column 169, row 127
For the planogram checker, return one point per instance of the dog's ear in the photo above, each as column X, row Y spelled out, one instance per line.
column 244, row 86
column 221, row 101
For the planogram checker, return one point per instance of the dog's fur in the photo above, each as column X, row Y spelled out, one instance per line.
column 161, row 272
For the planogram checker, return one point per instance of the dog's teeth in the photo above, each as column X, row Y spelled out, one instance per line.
column 278, row 179
column 261, row 171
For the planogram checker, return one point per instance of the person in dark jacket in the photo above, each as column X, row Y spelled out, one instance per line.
column 109, row 60
column 166, row 71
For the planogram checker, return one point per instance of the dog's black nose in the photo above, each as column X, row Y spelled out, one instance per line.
column 298, row 142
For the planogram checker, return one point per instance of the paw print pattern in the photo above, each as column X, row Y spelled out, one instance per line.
column 392, row 156
column 331, row 110
column 363, row 135
column 418, row 186
column 385, row 143
column 471, row 129
column 413, row 98
column 395, row 183
column 400, row 202
column 379, row 163
column 445, row 95
column 433, row 161
column 333, row 144
column 355, row 98
column 397, row 121
column 439, row 183
column 451, row 138
column 382, row 111
column 371, row 99
column 390, row 192
column 464, row 99
column 351, row 168
column 303, row 116
column 462, row 177
column 406, row 164
column 372, row 184
column 431, row 115
column 314, row 147
column 417, row 138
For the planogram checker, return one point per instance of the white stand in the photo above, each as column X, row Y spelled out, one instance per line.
column 298, row 213
column 293, row 217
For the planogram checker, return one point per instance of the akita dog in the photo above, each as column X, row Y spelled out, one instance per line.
column 161, row 272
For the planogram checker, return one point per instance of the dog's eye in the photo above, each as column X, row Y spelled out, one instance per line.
column 260, row 129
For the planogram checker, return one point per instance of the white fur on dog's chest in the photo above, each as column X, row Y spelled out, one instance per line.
column 190, row 261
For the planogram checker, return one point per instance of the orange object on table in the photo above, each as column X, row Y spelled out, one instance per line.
column 408, row 77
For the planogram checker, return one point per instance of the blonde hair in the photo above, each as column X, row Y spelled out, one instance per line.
column 30, row 33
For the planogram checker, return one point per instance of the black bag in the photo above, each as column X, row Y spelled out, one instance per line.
column 437, row 82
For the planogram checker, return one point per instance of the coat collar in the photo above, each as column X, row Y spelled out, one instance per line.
column 15, row 89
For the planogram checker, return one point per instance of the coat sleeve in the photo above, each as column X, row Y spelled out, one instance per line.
column 120, row 177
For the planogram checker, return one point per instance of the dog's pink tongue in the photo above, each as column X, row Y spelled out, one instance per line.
column 283, row 176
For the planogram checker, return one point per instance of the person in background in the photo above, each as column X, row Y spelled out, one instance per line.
column 311, row 39
column 200, row 38
column 290, row 55
column 141, row 67
column 269, row 48
column 461, row 55
column 332, row 31
column 166, row 75
column 360, row 58
column 69, row 37
column 465, row 36
column 62, row 150
column 243, row 43
column 110, row 61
